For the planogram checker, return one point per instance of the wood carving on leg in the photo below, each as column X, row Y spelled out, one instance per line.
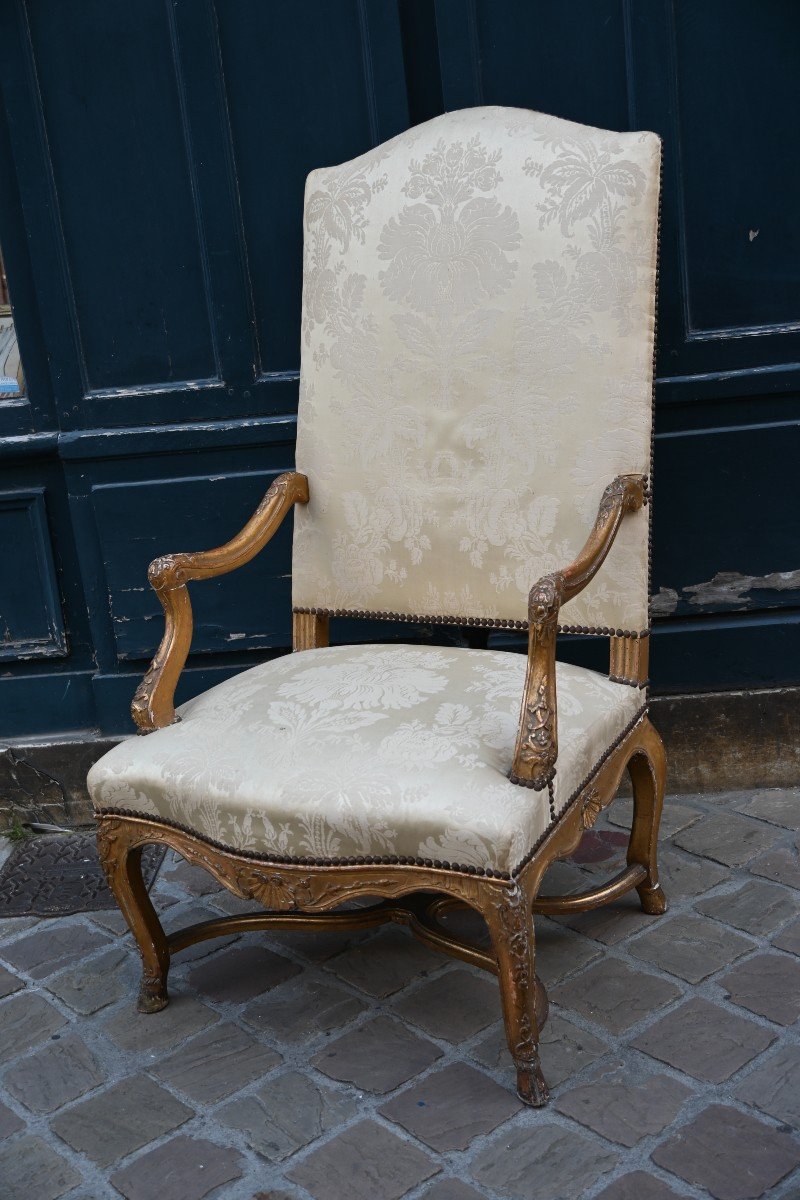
column 121, row 860
column 647, row 770
column 510, row 922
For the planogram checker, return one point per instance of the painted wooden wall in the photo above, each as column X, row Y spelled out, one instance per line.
column 152, row 160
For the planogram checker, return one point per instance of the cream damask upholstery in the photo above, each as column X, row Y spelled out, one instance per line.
column 366, row 751
column 477, row 366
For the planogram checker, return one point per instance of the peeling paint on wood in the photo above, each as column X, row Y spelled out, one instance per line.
column 729, row 587
column 664, row 603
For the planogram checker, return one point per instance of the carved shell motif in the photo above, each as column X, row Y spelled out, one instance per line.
column 591, row 807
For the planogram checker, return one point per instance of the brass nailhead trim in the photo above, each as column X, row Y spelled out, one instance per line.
column 376, row 860
column 637, row 683
column 382, row 860
column 602, row 759
column 485, row 622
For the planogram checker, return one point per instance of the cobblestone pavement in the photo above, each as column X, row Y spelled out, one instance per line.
column 369, row 1068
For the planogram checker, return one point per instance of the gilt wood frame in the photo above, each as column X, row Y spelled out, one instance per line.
column 301, row 894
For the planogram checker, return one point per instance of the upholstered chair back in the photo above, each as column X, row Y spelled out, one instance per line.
column 477, row 366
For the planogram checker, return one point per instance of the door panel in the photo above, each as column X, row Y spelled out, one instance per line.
column 152, row 164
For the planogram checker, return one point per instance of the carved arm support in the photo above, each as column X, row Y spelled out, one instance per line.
column 537, row 738
column 153, row 703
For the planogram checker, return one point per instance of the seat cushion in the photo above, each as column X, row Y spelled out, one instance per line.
column 365, row 751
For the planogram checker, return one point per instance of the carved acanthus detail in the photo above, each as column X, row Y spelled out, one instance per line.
column 539, row 738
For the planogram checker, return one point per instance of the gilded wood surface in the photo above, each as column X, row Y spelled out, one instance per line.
column 536, row 748
column 629, row 659
column 301, row 896
column 309, row 631
column 153, row 704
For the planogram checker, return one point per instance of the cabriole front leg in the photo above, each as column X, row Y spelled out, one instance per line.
column 122, row 864
column 510, row 922
column 647, row 770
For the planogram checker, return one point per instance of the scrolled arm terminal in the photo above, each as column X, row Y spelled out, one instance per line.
column 536, row 748
column 153, row 704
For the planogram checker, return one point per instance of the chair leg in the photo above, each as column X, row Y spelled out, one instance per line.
column 648, row 774
column 510, row 924
column 123, row 868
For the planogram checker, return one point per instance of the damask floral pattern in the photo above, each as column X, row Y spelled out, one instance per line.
column 477, row 366
column 364, row 750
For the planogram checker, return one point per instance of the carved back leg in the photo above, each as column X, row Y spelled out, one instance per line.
column 648, row 770
column 122, row 864
column 309, row 631
column 508, row 915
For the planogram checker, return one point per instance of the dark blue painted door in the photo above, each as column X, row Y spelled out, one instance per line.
column 152, row 161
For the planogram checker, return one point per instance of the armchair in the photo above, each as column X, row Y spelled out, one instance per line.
column 476, row 381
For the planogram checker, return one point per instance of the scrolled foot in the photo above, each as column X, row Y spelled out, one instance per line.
column 654, row 902
column 531, row 1087
column 153, row 996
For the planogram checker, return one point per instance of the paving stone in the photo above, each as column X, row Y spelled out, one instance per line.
column 386, row 963
column 615, row 995
column 639, row 1185
column 767, row 984
column 757, row 907
column 377, row 1056
column 102, row 981
column 454, row 1006
column 727, row 838
column 234, row 906
column 59, row 1072
column 9, row 983
column 789, row 938
column 30, row 1168
column 690, row 947
column 450, row 1108
column 365, row 1162
column 779, row 806
column 563, row 878
column 280, row 1193
column 26, row 1021
column 451, row 1189
column 132, row 1030
column 320, row 947
column 184, row 1168
column 774, row 1086
column 560, row 953
column 300, row 1010
column 683, row 877
column 542, row 1160
column 241, row 974
column 112, row 920
column 704, row 1040
column 49, row 950
column 781, row 864
column 599, row 850
column 193, row 879
column 287, row 1114
column 218, row 1062
column 623, row 1108
column 121, row 1119
column 731, row 1154
column 674, row 816
column 14, row 925
column 9, row 1122
column 179, row 916
column 612, row 923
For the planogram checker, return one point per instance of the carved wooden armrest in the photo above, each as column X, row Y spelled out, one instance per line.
column 153, row 703
column 537, row 738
